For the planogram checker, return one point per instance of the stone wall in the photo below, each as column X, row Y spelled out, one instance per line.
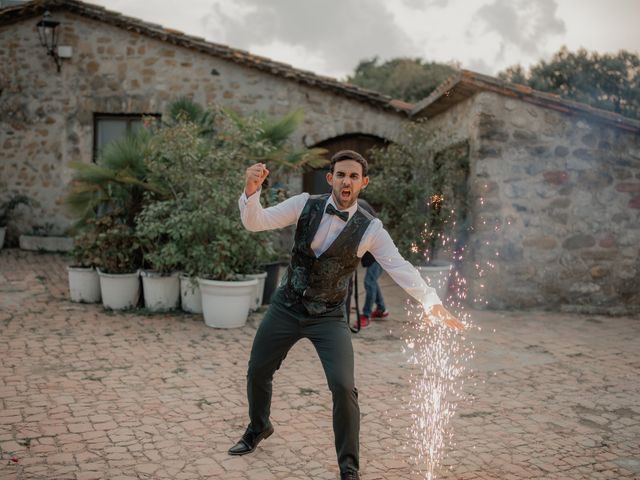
column 46, row 118
column 556, row 209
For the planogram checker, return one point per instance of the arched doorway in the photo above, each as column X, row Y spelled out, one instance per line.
column 315, row 181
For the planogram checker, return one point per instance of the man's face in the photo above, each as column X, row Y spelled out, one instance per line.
column 346, row 182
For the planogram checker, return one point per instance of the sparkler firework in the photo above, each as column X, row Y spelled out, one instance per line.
column 439, row 358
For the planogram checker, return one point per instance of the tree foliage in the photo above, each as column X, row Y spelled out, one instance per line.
column 408, row 79
column 167, row 196
column 197, row 227
column 419, row 189
column 608, row 81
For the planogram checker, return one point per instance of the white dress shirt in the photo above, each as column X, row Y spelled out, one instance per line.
column 375, row 239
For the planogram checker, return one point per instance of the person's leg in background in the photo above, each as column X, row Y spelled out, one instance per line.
column 373, row 295
column 381, row 309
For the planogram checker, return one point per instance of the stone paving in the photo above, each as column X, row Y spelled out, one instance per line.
column 89, row 394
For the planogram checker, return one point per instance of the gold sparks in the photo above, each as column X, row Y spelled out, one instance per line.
column 436, row 200
column 438, row 357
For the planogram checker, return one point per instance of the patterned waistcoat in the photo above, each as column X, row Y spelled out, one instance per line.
column 321, row 283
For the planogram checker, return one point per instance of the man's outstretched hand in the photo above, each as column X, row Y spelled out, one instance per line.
column 442, row 315
column 254, row 178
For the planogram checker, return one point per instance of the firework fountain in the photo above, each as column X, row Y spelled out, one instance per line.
column 439, row 358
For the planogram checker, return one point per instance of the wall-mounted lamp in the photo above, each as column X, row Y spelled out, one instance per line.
column 48, row 37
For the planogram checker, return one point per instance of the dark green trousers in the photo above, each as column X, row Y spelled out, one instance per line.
column 280, row 329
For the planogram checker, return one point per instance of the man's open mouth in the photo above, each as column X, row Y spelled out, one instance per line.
column 345, row 193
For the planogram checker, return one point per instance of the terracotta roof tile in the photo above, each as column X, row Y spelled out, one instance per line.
column 465, row 84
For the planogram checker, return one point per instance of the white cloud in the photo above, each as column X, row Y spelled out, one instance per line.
column 331, row 36
column 337, row 33
column 521, row 24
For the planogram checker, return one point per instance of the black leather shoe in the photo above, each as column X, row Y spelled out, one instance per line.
column 250, row 441
column 350, row 476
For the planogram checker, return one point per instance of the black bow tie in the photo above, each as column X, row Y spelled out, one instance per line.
column 331, row 210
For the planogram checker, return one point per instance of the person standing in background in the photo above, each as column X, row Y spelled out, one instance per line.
column 373, row 292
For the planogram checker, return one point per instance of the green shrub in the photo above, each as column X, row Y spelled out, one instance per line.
column 421, row 192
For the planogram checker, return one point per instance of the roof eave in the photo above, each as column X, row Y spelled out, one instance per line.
column 283, row 70
column 447, row 95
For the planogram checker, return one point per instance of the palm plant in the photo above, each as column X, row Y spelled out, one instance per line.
column 117, row 182
column 267, row 140
column 121, row 177
column 108, row 196
column 186, row 110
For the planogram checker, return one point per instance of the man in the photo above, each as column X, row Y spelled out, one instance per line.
column 331, row 236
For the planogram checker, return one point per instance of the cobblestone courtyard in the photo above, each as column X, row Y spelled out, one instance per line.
column 89, row 394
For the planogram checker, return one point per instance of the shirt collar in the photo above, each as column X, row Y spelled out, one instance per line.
column 352, row 209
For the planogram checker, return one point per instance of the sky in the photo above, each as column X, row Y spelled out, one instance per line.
column 330, row 37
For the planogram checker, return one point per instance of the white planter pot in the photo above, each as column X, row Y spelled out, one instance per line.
column 227, row 304
column 190, row 297
column 261, row 277
column 161, row 292
column 119, row 291
column 84, row 285
column 436, row 274
column 3, row 230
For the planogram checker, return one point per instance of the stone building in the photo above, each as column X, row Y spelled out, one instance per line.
column 554, row 185
column 555, row 189
column 120, row 68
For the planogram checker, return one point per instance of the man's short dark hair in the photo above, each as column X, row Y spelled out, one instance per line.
column 350, row 155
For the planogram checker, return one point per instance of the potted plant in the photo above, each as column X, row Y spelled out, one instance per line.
column 219, row 244
column 199, row 158
column 416, row 190
column 160, row 240
column 112, row 194
column 251, row 261
column 176, row 148
column 227, row 296
column 120, row 257
column 215, row 241
column 6, row 210
column 84, row 284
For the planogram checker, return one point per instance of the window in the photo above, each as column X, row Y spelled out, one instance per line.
column 110, row 127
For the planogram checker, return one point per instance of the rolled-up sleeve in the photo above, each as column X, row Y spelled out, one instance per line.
column 257, row 219
column 380, row 244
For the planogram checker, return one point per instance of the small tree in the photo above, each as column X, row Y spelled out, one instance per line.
column 413, row 186
column 408, row 79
